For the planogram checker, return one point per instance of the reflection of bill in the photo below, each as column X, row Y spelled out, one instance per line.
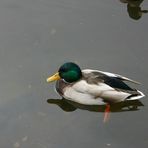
column 134, row 9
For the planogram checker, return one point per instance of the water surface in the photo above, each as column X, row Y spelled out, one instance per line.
column 36, row 37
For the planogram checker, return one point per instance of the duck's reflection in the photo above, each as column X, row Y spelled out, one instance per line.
column 70, row 106
column 134, row 9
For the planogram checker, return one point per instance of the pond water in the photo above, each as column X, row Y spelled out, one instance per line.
column 36, row 37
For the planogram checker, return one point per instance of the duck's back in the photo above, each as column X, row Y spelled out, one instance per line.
column 115, row 81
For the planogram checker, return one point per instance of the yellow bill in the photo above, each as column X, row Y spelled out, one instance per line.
column 55, row 77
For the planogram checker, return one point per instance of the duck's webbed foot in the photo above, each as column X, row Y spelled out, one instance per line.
column 106, row 113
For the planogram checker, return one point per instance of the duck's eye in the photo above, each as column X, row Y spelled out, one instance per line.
column 63, row 70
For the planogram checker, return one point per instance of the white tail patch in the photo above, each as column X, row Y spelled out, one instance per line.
column 137, row 97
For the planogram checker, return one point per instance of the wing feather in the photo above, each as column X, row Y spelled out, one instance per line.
column 113, row 80
column 120, row 77
column 123, row 78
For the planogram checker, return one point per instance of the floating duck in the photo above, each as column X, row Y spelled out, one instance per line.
column 93, row 87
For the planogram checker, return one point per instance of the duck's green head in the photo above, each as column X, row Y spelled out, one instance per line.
column 70, row 72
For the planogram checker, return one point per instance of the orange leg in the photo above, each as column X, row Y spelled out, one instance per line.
column 106, row 113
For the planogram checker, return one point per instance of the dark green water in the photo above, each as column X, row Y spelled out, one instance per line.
column 36, row 37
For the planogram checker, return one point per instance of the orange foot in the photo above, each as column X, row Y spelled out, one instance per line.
column 107, row 113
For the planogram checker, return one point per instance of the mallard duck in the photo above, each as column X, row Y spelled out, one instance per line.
column 93, row 87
